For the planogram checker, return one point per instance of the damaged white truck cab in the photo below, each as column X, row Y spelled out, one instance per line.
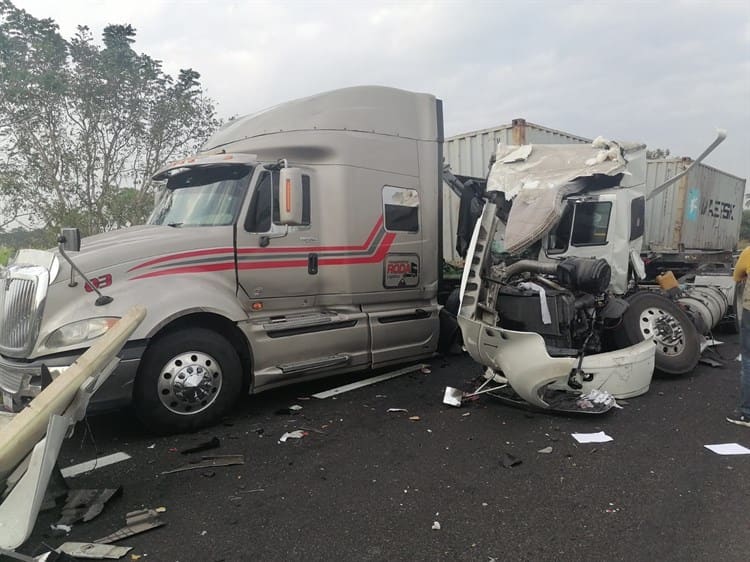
column 546, row 326
column 574, row 319
column 301, row 241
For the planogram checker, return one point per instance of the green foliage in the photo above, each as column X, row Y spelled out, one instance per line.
column 745, row 226
column 85, row 126
column 5, row 254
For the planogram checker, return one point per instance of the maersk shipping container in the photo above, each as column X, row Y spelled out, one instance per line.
column 702, row 211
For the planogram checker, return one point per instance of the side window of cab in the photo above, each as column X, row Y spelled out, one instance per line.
column 263, row 211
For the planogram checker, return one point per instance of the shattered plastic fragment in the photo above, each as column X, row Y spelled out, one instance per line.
column 545, row 451
column 415, row 418
column 85, row 504
column 296, row 434
column 136, row 522
column 452, row 396
column 94, row 551
column 76, row 469
column 397, row 410
column 436, row 526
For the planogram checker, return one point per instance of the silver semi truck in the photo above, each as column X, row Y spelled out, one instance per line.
column 305, row 241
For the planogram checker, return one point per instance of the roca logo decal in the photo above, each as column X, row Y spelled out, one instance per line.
column 99, row 282
column 401, row 270
column 402, row 267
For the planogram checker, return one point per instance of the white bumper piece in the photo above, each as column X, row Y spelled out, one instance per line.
column 523, row 360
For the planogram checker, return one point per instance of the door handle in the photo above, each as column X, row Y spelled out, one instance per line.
column 312, row 264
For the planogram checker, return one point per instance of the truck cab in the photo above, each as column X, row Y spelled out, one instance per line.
column 300, row 242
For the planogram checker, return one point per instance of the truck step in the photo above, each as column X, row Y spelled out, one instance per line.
column 319, row 363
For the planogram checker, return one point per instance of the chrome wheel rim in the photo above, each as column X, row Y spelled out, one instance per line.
column 189, row 383
column 665, row 329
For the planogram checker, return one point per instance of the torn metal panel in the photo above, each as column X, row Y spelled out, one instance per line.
column 538, row 177
column 136, row 522
column 87, row 466
column 84, row 505
column 208, row 462
column 40, row 428
column 19, row 510
column 367, row 382
column 94, row 551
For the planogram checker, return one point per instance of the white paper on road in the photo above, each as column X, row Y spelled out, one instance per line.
column 728, row 449
column 77, row 469
column 599, row 437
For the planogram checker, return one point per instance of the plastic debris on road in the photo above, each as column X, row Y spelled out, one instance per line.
column 367, row 382
column 296, row 434
column 94, row 551
column 436, row 526
column 414, row 418
column 210, row 462
column 596, row 396
column 452, row 396
column 397, row 410
column 136, row 522
column 545, row 451
column 599, row 437
column 84, row 505
column 76, row 469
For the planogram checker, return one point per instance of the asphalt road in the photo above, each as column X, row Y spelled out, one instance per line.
column 365, row 484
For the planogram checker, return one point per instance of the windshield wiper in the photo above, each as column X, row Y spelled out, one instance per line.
column 174, row 224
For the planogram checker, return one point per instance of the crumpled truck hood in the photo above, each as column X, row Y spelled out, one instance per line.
column 537, row 178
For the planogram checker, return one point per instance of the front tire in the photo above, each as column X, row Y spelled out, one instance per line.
column 187, row 379
column 675, row 337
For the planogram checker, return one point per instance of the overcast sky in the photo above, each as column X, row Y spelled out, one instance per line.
column 666, row 73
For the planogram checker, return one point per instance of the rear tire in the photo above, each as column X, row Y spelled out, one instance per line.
column 187, row 379
column 675, row 337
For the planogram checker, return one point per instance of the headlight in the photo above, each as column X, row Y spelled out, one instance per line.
column 80, row 332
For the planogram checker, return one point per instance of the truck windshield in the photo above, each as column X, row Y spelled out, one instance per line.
column 202, row 197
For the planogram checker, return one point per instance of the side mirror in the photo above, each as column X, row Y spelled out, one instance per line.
column 70, row 239
column 291, row 200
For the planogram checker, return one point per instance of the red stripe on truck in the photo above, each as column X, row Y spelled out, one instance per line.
column 276, row 250
column 378, row 256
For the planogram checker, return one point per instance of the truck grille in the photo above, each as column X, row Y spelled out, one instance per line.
column 22, row 294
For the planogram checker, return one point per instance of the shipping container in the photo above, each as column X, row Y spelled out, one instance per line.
column 702, row 211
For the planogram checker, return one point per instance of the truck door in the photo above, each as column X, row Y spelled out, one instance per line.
column 292, row 334
column 597, row 226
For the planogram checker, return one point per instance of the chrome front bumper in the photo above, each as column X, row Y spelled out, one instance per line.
column 21, row 381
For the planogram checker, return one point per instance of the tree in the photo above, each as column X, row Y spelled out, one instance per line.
column 745, row 226
column 83, row 126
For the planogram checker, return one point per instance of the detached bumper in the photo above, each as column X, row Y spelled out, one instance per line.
column 523, row 359
column 21, row 381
